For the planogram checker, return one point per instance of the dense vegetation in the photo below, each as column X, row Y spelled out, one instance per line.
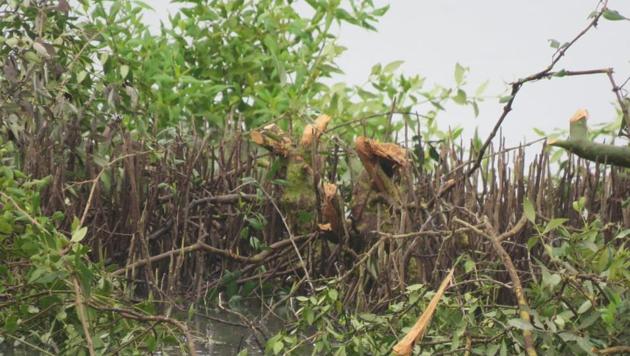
column 211, row 162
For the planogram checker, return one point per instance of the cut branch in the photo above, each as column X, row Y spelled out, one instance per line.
column 405, row 346
column 579, row 144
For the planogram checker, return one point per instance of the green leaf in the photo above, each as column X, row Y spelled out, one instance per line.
column 5, row 227
column 623, row 234
column 613, row 15
column 32, row 57
column 528, row 209
column 585, row 344
column 124, row 70
column 561, row 73
column 578, row 205
column 532, row 241
column 492, row 349
column 380, row 11
column 12, row 41
column 369, row 317
column 81, row 76
column 376, row 69
column 469, row 265
column 553, row 224
column 482, row 88
column 75, row 223
column 503, row 351
column 277, row 347
column 520, row 324
column 559, row 320
column 585, row 307
column 460, row 98
column 391, row 67
column 459, row 74
column 79, row 234
column 550, row 280
column 539, row 132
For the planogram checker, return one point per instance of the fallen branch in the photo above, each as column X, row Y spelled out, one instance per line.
column 405, row 346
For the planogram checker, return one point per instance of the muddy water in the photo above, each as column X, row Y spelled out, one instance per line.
column 226, row 333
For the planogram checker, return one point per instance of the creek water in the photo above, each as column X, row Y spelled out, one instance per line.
column 226, row 333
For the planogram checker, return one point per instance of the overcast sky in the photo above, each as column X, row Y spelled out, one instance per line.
column 501, row 41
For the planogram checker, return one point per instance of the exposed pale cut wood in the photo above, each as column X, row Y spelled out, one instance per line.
column 272, row 138
column 579, row 115
column 379, row 160
column 313, row 131
column 373, row 149
column 405, row 346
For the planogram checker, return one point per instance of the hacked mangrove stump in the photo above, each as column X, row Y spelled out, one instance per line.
column 380, row 161
column 301, row 191
column 377, row 184
column 579, row 144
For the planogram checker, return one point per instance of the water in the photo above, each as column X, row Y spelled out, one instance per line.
column 226, row 333
column 222, row 333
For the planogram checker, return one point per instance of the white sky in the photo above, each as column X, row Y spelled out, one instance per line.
column 500, row 40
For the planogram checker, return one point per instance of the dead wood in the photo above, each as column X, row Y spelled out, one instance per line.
column 405, row 346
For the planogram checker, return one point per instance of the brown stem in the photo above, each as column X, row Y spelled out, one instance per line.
column 202, row 246
column 516, row 87
column 80, row 306
column 516, row 281
column 612, row 350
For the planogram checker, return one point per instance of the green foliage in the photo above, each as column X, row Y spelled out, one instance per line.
column 578, row 302
column 38, row 305
column 78, row 82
